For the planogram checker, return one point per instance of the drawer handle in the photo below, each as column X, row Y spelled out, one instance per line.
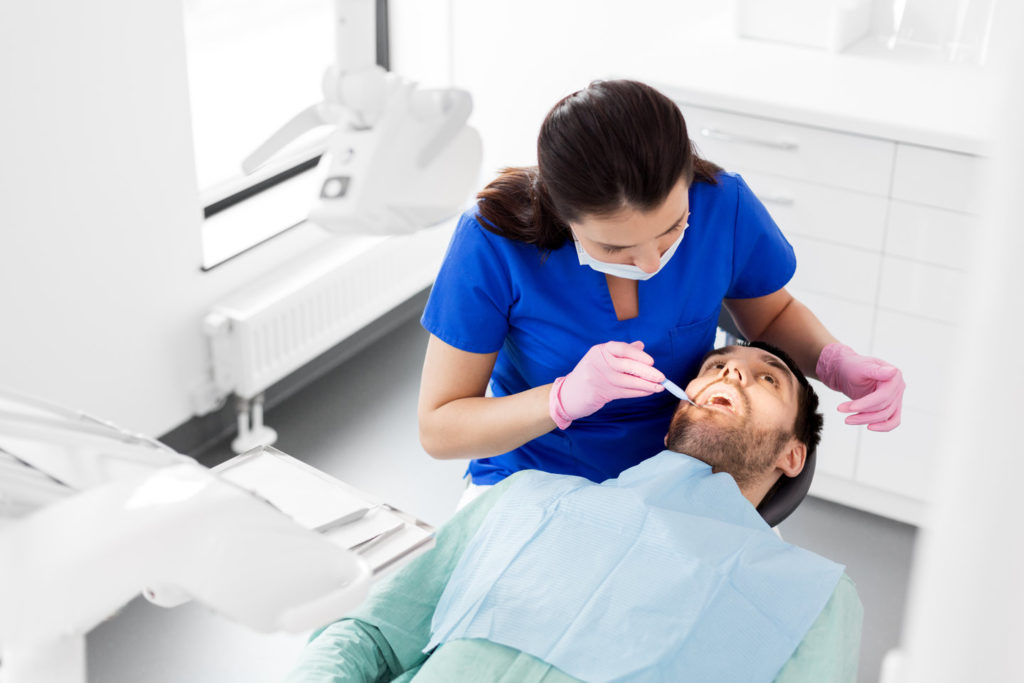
column 733, row 137
column 780, row 199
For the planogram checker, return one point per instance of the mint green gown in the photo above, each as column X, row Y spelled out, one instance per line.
column 384, row 638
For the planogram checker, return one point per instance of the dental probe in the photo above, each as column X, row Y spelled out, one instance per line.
column 674, row 389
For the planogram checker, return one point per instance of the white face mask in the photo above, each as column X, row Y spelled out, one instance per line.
column 625, row 270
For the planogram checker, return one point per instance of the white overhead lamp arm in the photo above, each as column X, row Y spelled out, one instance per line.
column 400, row 158
column 306, row 120
column 353, row 86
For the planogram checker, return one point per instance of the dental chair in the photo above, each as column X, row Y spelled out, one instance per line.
column 787, row 494
column 92, row 515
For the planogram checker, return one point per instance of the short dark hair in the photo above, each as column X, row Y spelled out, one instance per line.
column 809, row 421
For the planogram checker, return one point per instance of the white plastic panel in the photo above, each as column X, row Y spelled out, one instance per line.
column 923, row 350
column 839, row 271
column 935, row 236
column 837, row 452
column 824, row 213
column 904, row 460
column 812, row 154
column 947, row 180
column 921, row 289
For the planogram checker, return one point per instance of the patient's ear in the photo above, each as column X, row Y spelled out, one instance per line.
column 791, row 461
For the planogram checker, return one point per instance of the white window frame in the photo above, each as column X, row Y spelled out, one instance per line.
column 242, row 212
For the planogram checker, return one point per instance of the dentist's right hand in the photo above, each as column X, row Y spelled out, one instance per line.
column 606, row 372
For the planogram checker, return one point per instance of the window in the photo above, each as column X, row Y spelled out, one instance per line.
column 253, row 65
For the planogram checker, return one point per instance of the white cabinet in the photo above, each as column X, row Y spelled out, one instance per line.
column 820, row 212
column 837, row 456
column 881, row 229
column 901, row 462
column 947, row 180
column 917, row 288
column 923, row 350
column 929, row 235
column 791, row 151
column 835, row 270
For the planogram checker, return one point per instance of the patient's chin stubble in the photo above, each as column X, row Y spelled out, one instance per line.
column 736, row 448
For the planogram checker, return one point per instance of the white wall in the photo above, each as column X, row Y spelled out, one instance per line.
column 101, row 296
column 519, row 57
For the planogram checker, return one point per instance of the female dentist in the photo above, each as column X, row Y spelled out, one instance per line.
column 594, row 276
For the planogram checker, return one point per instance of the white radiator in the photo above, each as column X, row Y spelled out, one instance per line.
column 266, row 331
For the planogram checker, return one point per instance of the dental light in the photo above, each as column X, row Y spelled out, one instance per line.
column 400, row 158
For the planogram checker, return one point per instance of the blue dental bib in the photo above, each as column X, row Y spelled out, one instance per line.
column 666, row 573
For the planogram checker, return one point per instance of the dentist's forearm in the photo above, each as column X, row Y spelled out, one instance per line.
column 483, row 427
column 798, row 332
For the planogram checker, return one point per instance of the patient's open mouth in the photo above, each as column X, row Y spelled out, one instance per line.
column 725, row 400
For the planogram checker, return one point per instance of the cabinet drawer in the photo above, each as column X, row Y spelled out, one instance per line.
column 852, row 323
column 825, row 213
column 839, row 271
column 903, row 460
column 947, row 180
column 921, row 289
column 935, row 236
column 812, row 154
column 837, row 452
column 924, row 351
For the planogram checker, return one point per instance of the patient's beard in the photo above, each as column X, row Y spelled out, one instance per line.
column 742, row 451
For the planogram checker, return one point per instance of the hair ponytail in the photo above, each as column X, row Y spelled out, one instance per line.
column 612, row 145
column 517, row 205
column 704, row 171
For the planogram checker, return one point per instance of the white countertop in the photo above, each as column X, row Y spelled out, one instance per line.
column 864, row 90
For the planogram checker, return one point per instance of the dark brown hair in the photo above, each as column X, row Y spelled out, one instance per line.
column 612, row 145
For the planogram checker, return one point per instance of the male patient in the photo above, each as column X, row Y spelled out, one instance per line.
column 666, row 573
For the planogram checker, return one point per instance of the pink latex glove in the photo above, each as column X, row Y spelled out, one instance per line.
column 876, row 386
column 606, row 372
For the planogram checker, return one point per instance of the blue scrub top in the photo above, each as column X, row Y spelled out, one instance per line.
column 543, row 311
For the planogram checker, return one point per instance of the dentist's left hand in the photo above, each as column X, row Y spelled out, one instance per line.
column 876, row 386
column 606, row 372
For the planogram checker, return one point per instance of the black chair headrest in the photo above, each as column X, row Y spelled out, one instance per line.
column 789, row 494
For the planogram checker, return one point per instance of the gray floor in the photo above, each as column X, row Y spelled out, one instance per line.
column 359, row 424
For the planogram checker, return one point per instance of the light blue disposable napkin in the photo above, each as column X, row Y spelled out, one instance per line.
column 665, row 574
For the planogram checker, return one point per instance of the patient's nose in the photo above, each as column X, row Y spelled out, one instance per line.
column 733, row 371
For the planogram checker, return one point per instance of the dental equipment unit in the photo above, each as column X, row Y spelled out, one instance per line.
column 91, row 515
